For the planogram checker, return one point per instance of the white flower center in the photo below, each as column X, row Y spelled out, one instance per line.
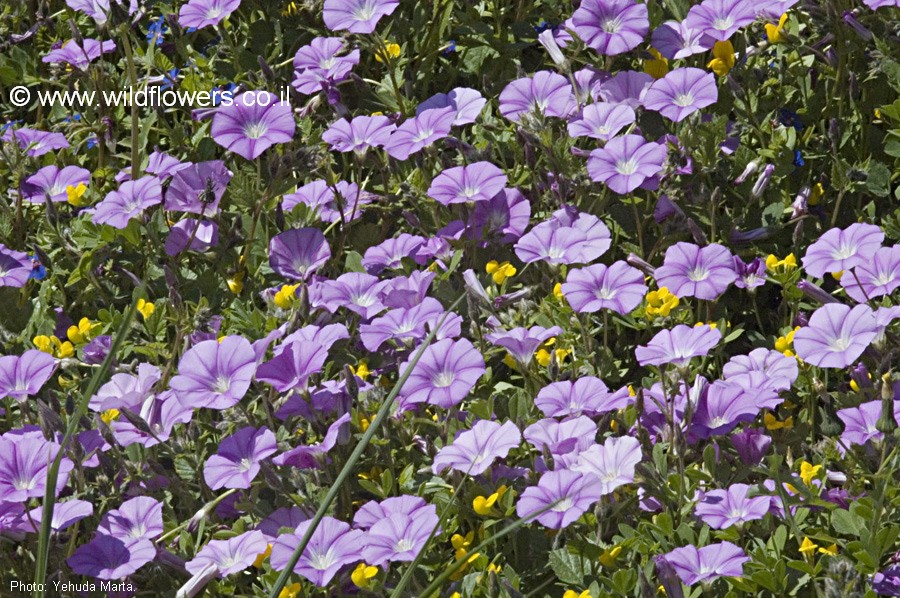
column 255, row 130
column 443, row 379
column 722, row 23
column 627, row 166
column 564, row 505
column 611, row 25
column 839, row 344
column 604, row 293
column 403, row 545
column 684, row 99
column 222, row 384
column 843, row 252
column 320, row 561
column 698, row 273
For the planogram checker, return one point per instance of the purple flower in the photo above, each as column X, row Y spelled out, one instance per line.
column 626, row 162
column 444, row 375
column 96, row 351
column 372, row 512
column 98, row 9
column 466, row 102
column 356, row 16
column 473, row 451
column 420, row 132
column 79, row 55
column 875, row 5
column 15, row 267
column 163, row 165
column 297, row 253
column 25, row 375
column 206, row 13
column 563, row 440
column 107, row 557
column 751, row 445
column 836, row 335
column 346, row 204
column 568, row 237
column 137, row 518
column 777, row 370
column 309, row 456
column 721, row 509
column 618, row 287
column 333, row 545
column 198, row 188
column 861, row 423
column 611, row 26
column 253, row 123
column 838, row 249
column 689, row 270
column 676, row 39
column 237, row 461
column 724, row 405
column 36, row 143
column 51, row 182
column 749, row 276
column 292, row 366
column 399, row 537
column 522, row 342
column 479, row 181
column 200, row 234
column 358, row 292
column 876, row 277
column 626, row 87
column 568, row 494
column 126, row 390
column 720, row 19
column 389, row 254
column 546, row 93
column 229, row 556
column 587, row 395
column 601, row 121
column 128, row 201
column 65, row 514
column 710, row 562
column 887, row 581
column 611, row 463
column 318, row 64
column 678, row 345
column 215, row 374
column 403, row 325
column 359, row 134
column 503, row 218
column 24, row 459
column 682, row 92
column 283, row 517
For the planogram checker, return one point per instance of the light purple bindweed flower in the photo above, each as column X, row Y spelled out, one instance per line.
column 356, row 16
column 206, row 13
column 24, row 459
column 876, row 277
column 237, row 461
column 359, row 134
column 107, row 557
column 503, row 218
column 586, row 395
column 347, row 204
column 695, row 565
column 201, row 235
column 374, row 511
column 689, row 270
column 721, row 509
column 444, row 375
column 569, row 237
column 415, row 134
column 358, row 292
column 611, row 463
column 197, row 188
column 65, row 514
column 836, row 335
column 611, row 26
column 473, row 451
column 545, row 93
column 626, row 87
column 215, row 374
column 78, row 55
column 128, row 201
column 332, row 545
column 563, row 496
column 136, row 518
column 24, row 375
column 389, row 254
column 751, row 445
column 676, row 39
column 522, row 342
column 163, row 165
column 35, row 143
column 479, row 181
column 682, row 92
column 467, row 104
column 51, row 182
column 779, row 371
column 839, row 249
column 617, row 287
column 626, row 162
column 723, row 405
column 601, row 121
column 564, row 440
column 229, row 556
column 749, row 276
column 311, row 456
column 678, row 345
column 249, row 130
column 15, row 267
column 292, row 366
column 720, row 19
column 399, row 537
column 297, row 253
column 126, row 390
column 317, row 64
column 159, row 413
column 403, row 325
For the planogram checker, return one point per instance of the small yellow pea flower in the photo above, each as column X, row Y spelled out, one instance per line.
column 290, row 9
column 557, row 290
column 773, row 264
column 361, row 370
column 542, row 356
column 484, row 506
column 784, row 344
column 83, row 332
column 837, row 275
column 661, row 302
column 772, row 422
column 577, row 594
column 808, row 547
column 363, row 575
column 43, row 343
column 392, row 50
column 712, row 325
column 775, row 33
column 291, row 591
column 146, row 308
column 364, row 424
column 808, row 472
column 609, row 556
column 262, row 556
column 815, row 194
column 109, row 416
column 723, row 58
column 53, row 346
column 829, row 550
column 74, row 194
column 658, row 66
column 286, row 296
column 236, row 283
column 500, row 272
column 494, row 568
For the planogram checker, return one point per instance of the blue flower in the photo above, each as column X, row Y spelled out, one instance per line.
column 92, row 142
column 789, row 118
column 169, row 79
column 156, row 31
column 38, row 271
column 222, row 89
column 544, row 25
column 450, row 49
column 798, row 159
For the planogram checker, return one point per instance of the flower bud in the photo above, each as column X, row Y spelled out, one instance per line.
column 749, row 169
column 763, row 181
column 549, row 42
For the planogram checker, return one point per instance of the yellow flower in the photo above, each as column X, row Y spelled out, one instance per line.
column 723, row 61
column 830, row 550
column 773, row 264
column 361, row 370
column 236, row 283
column 837, row 275
column 661, row 302
column 262, row 556
column 75, row 193
column 363, row 575
column 286, row 296
column 109, row 416
column 658, row 66
column 808, row 547
column 510, row 361
column 53, row 346
column 577, row 594
column 542, row 356
column 485, row 506
column 784, row 344
column 815, row 194
column 609, row 556
column 372, row 474
column 146, row 308
column 43, row 343
column 83, row 332
column 455, row 595
column 809, row 472
column 557, row 290
column 494, row 568
column 775, row 33
column 712, row 325
column 291, row 591
column 772, row 422
column 392, row 49
column 290, row 9
column 500, row 272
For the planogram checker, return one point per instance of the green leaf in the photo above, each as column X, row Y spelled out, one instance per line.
column 569, row 568
column 846, row 523
column 353, row 263
column 879, row 180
